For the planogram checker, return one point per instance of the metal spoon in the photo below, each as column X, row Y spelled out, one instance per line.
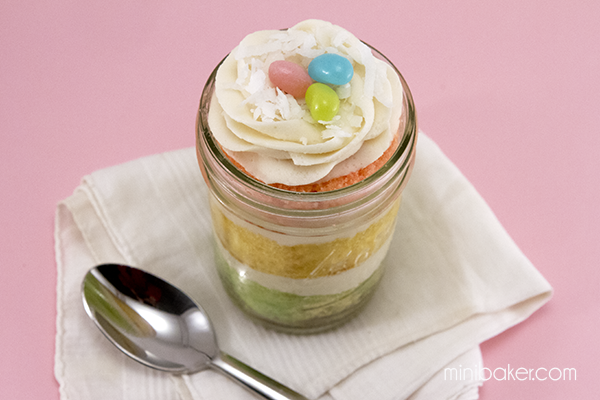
column 158, row 325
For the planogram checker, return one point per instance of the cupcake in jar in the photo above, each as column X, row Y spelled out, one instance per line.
column 306, row 138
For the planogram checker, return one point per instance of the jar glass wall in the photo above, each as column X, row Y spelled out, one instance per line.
column 302, row 261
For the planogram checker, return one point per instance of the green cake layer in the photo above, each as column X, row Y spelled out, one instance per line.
column 287, row 310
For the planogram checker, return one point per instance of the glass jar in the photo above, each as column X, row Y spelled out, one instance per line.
column 302, row 262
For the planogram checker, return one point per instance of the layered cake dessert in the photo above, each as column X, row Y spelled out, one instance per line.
column 303, row 141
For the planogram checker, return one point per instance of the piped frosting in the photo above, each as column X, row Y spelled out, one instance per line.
column 272, row 135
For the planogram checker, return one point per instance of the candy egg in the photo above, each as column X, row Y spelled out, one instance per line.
column 331, row 68
column 322, row 102
column 289, row 77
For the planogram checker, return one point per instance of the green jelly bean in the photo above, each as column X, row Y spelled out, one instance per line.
column 323, row 102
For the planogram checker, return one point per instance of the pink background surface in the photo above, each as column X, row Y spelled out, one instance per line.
column 510, row 91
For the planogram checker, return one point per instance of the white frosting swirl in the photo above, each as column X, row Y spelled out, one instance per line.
column 272, row 135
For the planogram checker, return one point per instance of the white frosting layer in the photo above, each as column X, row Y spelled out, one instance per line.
column 310, row 287
column 272, row 135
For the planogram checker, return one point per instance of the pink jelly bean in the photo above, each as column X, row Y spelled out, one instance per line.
column 289, row 77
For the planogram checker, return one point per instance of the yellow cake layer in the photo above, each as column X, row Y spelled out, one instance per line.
column 302, row 261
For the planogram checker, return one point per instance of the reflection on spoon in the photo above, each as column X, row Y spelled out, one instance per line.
column 158, row 325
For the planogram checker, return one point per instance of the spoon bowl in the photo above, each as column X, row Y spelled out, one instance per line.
column 160, row 326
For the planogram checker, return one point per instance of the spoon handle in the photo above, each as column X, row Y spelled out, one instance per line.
column 253, row 380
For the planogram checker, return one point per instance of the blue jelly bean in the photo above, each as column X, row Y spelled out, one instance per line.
column 331, row 68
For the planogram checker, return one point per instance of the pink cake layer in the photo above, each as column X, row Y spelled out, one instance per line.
column 335, row 183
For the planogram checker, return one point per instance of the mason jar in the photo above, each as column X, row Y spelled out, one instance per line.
column 302, row 262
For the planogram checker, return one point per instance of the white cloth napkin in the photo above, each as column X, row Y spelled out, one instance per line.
column 454, row 279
